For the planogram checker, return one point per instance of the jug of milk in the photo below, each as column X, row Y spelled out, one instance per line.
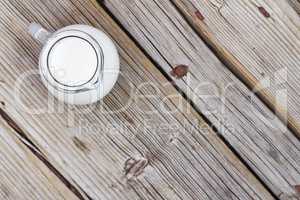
column 79, row 64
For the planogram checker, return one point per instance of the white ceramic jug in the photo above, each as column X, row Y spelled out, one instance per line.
column 79, row 64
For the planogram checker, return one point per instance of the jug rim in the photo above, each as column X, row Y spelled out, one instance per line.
column 91, row 83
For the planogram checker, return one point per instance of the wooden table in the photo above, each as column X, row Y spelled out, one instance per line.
column 228, row 129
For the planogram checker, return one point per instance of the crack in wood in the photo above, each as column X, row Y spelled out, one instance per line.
column 134, row 167
column 36, row 151
column 80, row 144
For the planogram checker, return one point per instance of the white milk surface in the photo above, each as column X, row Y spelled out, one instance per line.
column 72, row 61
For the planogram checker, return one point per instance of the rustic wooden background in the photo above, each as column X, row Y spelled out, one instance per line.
column 251, row 152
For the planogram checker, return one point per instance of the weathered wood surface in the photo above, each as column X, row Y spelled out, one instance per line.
column 23, row 175
column 295, row 4
column 90, row 145
column 252, row 129
column 263, row 37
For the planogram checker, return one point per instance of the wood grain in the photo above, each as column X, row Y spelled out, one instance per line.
column 256, row 47
column 126, row 154
column 295, row 4
column 244, row 121
column 23, row 175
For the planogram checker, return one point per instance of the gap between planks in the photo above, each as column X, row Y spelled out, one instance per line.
column 24, row 175
column 22, row 136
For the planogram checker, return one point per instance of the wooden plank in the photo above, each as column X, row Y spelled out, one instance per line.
column 100, row 150
column 260, row 47
column 253, row 131
column 295, row 4
column 23, row 175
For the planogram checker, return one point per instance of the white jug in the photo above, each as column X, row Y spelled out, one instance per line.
column 79, row 64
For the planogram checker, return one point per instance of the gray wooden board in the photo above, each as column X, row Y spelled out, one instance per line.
column 23, row 175
column 264, row 38
column 251, row 128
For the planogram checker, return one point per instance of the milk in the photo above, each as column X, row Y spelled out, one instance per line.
column 79, row 64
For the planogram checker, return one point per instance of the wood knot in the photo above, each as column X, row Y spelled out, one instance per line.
column 264, row 12
column 199, row 15
column 80, row 144
column 127, row 118
column 134, row 167
column 179, row 71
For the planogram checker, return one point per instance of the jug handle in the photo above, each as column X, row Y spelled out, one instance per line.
column 38, row 32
